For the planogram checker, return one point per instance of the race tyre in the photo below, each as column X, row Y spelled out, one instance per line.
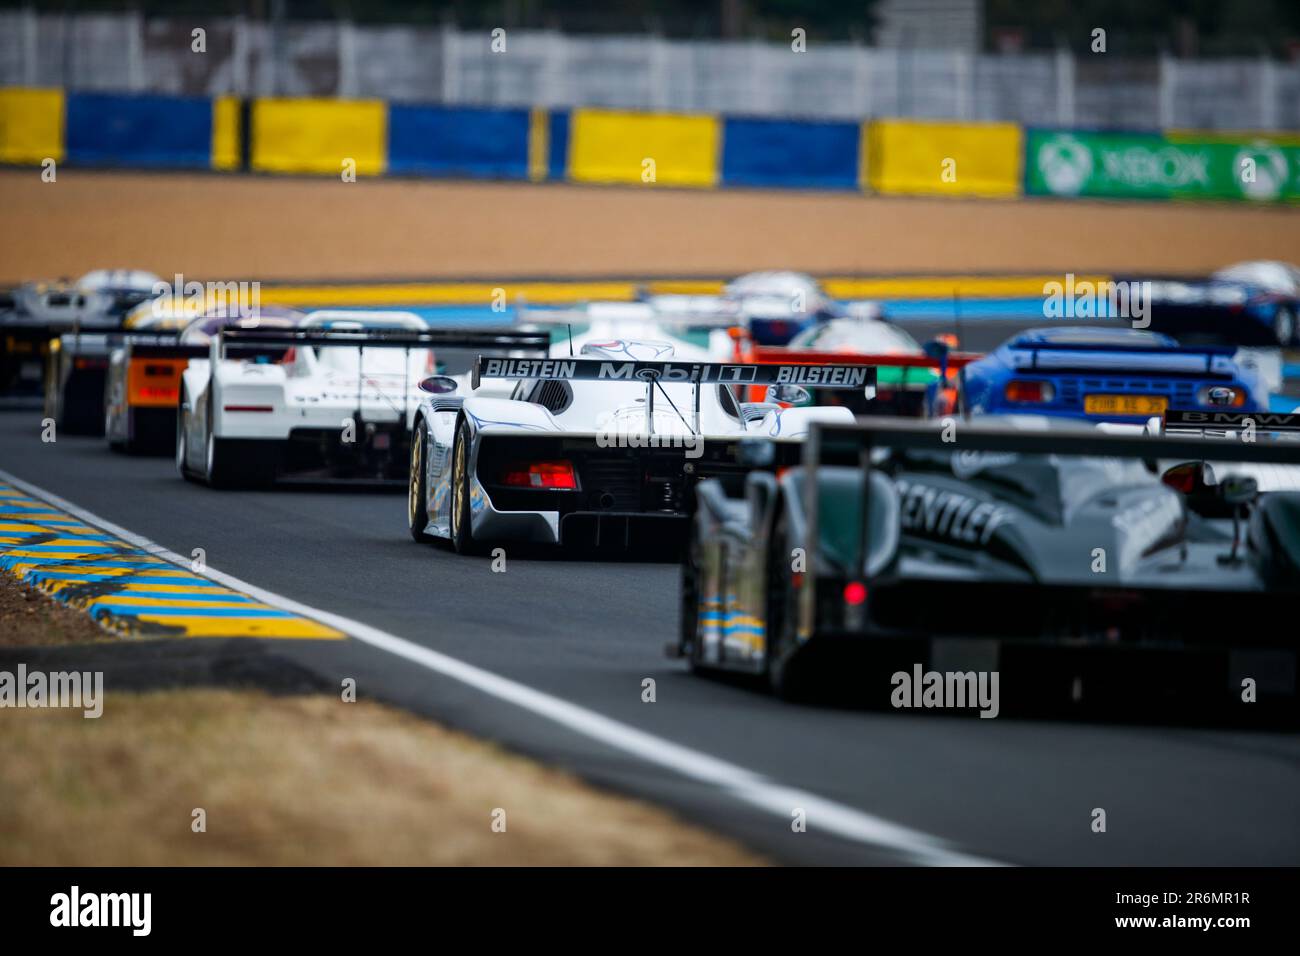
column 784, row 675
column 462, row 534
column 182, row 468
column 238, row 464
column 688, row 641
column 417, row 495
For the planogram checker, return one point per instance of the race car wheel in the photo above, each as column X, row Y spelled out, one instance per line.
column 785, row 678
column 181, row 467
column 238, row 464
column 688, row 641
column 462, row 535
column 218, row 467
column 1284, row 327
column 417, row 496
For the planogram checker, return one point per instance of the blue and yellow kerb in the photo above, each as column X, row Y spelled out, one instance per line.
column 129, row 591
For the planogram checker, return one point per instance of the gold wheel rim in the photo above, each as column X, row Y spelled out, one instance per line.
column 413, row 491
column 458, row 487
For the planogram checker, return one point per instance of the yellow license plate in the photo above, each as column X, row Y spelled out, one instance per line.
column 1125, row 404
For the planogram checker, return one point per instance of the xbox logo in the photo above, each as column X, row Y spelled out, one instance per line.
column 1261, row 171
column 1065, row 164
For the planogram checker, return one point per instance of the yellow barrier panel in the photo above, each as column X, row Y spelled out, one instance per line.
column 539, row 144
column 905, row 157
column 318, row 135
column 31, row 125
column 607, row 146
column 225, row 132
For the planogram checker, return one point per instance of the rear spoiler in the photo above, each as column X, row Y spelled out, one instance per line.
column 1197, row 421
column 840, row 376
column 101, row 343
column 773, row 355
column 506, row 340
column 1055, row 356
column 853, row 444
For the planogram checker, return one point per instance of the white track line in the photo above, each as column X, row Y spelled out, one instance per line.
column 822, row 815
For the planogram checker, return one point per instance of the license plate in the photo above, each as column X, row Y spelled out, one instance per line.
column 1125, row 404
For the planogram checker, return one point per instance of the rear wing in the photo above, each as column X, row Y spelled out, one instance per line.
column 103, row 343
column 840, row 376
column 773, row 355
column 1233, row 423
column 1167, row 359
column 261, row 341
column 854, row 446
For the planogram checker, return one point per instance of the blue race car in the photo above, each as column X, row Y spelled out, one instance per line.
column 1107, row 374
column 1251, row 303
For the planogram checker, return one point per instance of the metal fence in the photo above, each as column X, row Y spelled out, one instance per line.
column 127, row 52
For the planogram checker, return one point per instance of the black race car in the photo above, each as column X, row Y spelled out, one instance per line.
column 1081, row 566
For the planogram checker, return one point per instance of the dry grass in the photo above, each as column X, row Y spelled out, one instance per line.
column 303, row 780
column 29, row 617
column 244, row 227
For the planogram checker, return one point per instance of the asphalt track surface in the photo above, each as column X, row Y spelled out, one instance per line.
column 1018, row 791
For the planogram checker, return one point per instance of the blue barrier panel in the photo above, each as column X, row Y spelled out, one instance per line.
column 558, row 142
column 458, row 142
column 759, row 152
column 123, row 130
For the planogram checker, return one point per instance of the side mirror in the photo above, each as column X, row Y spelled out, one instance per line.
column 438, row 385
column 1238, row 489
column 755, row 453
column 788, row 395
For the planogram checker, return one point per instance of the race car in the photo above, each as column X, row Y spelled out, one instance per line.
column 601, row 448
column 692, row 334
column 77, row 377
column 1047, row 552
column 772, row 307
column 1104, row 374
column 1247, row 304
column 330, row 400
column 142, row 390
column 909, row 378
column 36, row 313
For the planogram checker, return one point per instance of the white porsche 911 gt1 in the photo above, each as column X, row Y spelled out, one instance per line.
column 601, row 448
column 331, row 399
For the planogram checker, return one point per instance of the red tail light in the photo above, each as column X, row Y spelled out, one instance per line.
column 558, row 475
column 855, row 593
column 1020, row 390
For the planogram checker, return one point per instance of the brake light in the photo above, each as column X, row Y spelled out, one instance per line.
column 855, row 593
column 248, row 408
column 1022, row 390
column 558, row 475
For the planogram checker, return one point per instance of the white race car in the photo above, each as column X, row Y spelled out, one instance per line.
column 333, row 398
column 602, row 447
column 145, row 366
column 772, row 307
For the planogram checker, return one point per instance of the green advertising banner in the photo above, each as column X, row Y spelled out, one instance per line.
column 1157, row 166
